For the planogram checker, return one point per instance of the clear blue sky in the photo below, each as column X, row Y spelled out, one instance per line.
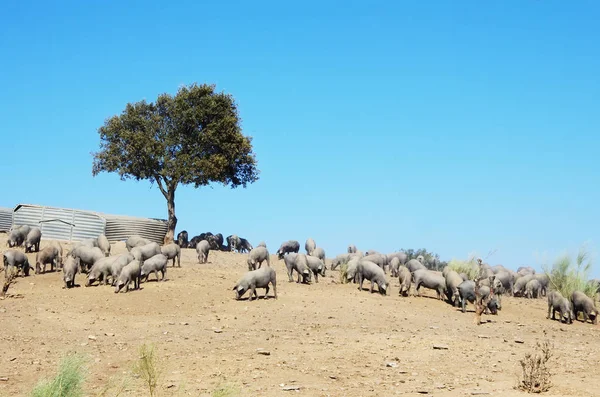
column 458, row 126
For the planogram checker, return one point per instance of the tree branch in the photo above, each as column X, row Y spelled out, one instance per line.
column 161, row 187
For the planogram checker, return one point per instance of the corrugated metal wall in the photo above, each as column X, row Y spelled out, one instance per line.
column 5, row 219
column 60, row 223
column 121, row 227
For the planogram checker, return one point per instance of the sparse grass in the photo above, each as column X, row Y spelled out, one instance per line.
column 536, row 377
column 147, row 368
column 343, row 273
column 567, row 277
column 225, row 391
column 114, row 389
column 67, row 383
column 469, row 267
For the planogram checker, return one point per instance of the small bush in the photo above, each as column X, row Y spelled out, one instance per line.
column 469, row 267
column 225, row 391
column 567, row 277
column 67, row 383
column 343, row 273
column 536, row 377
column 147, row 368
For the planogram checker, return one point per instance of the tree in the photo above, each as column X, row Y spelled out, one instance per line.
column 192, row 138
column 432, row 260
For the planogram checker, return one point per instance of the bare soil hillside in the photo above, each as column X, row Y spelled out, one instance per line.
column 327, row 339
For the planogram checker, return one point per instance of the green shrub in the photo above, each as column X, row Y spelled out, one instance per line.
column 567, row 277
column 67, row 383
column 469, row 267
column 147, row 368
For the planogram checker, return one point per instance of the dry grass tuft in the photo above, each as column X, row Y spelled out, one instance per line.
column 536, row 377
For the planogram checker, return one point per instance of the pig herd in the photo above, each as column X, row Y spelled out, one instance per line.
column 93, row 259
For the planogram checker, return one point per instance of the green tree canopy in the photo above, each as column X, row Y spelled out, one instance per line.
column 192, row 138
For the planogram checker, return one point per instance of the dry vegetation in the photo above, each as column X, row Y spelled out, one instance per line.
column 327, row 339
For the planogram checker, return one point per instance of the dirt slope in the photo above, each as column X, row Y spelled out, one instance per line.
column 327, row 338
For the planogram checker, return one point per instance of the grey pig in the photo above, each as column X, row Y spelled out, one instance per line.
column 544, row 281
column 584, row 304
column 466, row 292
column 147, row 251
column 341, row 259
column 130, row 273
column 103, row 244
column 262, row 244
column 319, row 253
column 100, row 270
column 47, row 255
column 402, row 257
column 87, row 256
column 136, row 241
column 172, row 251
column 310, row 246
column 453, row 280
column 117, row 266
column 352, row 249
column 351, row 270
column 367, row 270
column 257, row 256
column 405, row 279
column 298, row 263
column 394, row 266
column 202, row 249
column 560, row 304
column 316, row 266
column 260, row 278
column 234, row 243
column 379, row 259
column 290, row 246
column 431, row 280
column 413, row 265
column 12, row 259
column 520, row 284
column 32, row 242
column 69, row 271
column 158, row 263
column 18, row 235
column 533, row 289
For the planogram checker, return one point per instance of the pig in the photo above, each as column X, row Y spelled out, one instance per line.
column 352, row 249
column 379, row 259
column 297, row 262
column 262, row 244
column 87, row 256
column 257, row 256
column 15, row 259
column 260, row 278
column 405, row 279
column 100, row 270
column 520, row 284
column 47, row 255
column 431, row 280
column 136, row 241
column 182, row 239
column 310, row 246
column 130, row 273
column 316, row 266
column 245, row 245
column 202, row 249
column 453, row 280
column 32, row 242
column 69, row 271
column 290, row 246
column 544, row 281
column 158, row 263
column 59, row 258
column 367, row 270
column 341, row 259
column 117, row 266
column 103, row 244
column 147, row 251
column 394, row 266
column 584, row 304
column 466, row 291
column 533, row 289
column 319, row 253
column 172, row 251
column 90, row 243
column 560, row 304
column 413, row 265
column 16, row 237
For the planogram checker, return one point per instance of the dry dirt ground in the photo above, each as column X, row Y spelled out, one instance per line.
column 328, row 339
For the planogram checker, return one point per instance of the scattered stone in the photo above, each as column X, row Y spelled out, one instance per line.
column 392, row 364
column 12, row 359
column 291, row 388
column 184, row 323
column 332, row 377
column 92, row 337
column 519, row 341
column 218, row 331
column 170, row 385
column 109, row 334
column 423, row 391
column 4, row 379
column 440, row 347
column 263, row 352
column 483, row 337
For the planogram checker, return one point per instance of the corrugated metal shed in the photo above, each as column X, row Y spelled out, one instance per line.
column 76, row 225
column 5, row 219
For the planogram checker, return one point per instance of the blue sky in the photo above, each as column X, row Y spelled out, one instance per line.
column 459, row 126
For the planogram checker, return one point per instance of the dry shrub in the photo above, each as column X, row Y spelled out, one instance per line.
column 343, row 273
column 11, row 279
column 536, row 377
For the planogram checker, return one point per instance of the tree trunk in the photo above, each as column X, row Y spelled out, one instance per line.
column 172, row 223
